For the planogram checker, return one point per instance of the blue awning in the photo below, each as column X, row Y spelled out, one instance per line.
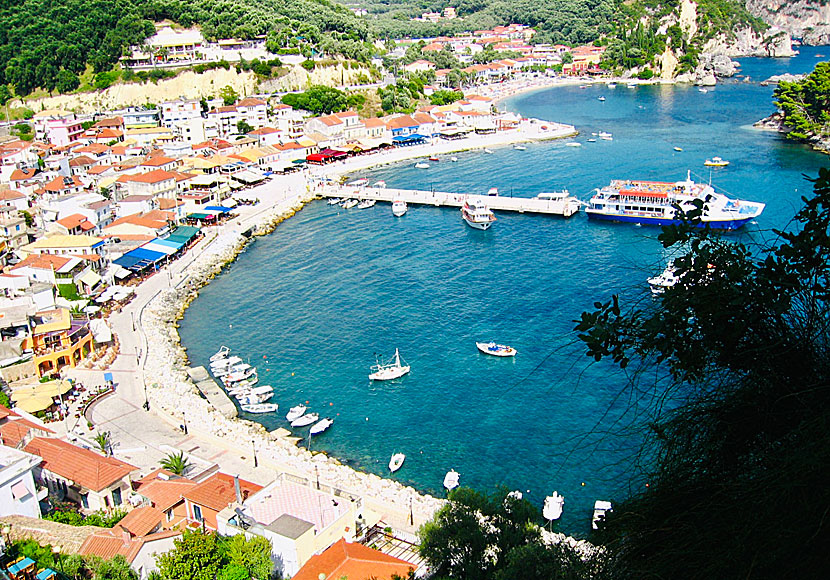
column 126, row 261
column 216, row 209
column 169, row 243
column 144, row 254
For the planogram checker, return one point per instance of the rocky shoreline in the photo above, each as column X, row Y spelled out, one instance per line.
column 775, row 122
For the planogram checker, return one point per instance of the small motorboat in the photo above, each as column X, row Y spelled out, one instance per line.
column 225, row 363
column 496, row 349
column 552, row 509
column 434, row 158
column 600, row 509
column 295, row 412
column 454, row 159
column 451, row 480
column 399, row 207
column 573, row 144
column 304, row 420
column 358, row 182
column 667, row 279
column 422, row 165
column 390, row 370
column 366, row 203
column 592, row 140
column 396, row 462
column 703, row 90
column 631, row 86
column 612, row 85
column 486, row 150
column 258, row 408
column 520, row 148
column 678, row 149
column 221, row 354
column 493, row 191
column 602, row 99
column 256, row 395
column 321, row 426
column 380, row 184
column 605, row 135
column 335, row 201
column 716, row 162
column 350, row 203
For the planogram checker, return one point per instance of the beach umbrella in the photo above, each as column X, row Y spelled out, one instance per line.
column 34, row 404
column 49, row 389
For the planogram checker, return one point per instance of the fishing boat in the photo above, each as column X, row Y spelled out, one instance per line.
column 552, row 509
column 221, row 354
column 304, row 420
column 600, row 509
column 667, row 279
column 225, row 362
column 561, row 202
column 258, row 408
column 321, row 426
column 716, row 162
column 366, row 203
column 335, row 201
column 256, row 395
column 488, row 150
column 653, row 203
column 601, row 99
column 493, row 191
column 453, row 159
column 519, row 147
column 295, row 412
column 451, row 480
column 239, row 373
column 396, row 461
column 350, row 203
column 496, row 349
column 477, row 215
column 399, row 207
column 390, row 370
column 422, row 165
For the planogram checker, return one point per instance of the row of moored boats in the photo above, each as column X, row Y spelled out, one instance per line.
column 241, row 382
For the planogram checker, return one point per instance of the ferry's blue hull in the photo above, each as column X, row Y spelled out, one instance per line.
column 650, row 221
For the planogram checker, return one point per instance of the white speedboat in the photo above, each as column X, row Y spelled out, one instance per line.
column 237, row 375
column 451, row 480
column 667, row 279
column 366, row 203
column 477, row 215
column 605, row 136
column 601, row 99
column 380, row 184
column 399, row 207
column 422, row 165
column 258, row 408
column 703, row 90
column 304, row 420
column 454, row 159
column 600, row 509
column 335, row 201
column 396, row 462
column 573, row 144
column 350, row 203
column 321, row 426
column 295, row 412
column 612, row 85
column 224, row 363
column 716, row 162
column 552, row 509
column 488, row 150
column 390, row 370
column 678, row 149
column 496, row 349
column 493, row 191
column 221, row 354
column 592, row 140
column 256, row 395
column 520, row 148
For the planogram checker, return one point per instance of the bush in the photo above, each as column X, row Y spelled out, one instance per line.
column 308, row 65
column 646, row 74
column 104, row 80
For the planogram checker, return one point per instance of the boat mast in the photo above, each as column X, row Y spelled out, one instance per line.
column 397, row 358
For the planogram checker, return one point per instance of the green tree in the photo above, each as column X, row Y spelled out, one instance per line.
column 253, row 556
column 318, row 99
column 243, row 127
column 806, row 104
column 228, row 95
column 67, row 81
column 195, row 556
column 28, row 218
column 739, row 345
column 175, row 463
column 445, row 97
column 116, row 568
column 102, row 441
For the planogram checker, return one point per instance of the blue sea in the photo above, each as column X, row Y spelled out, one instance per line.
column 314, row 303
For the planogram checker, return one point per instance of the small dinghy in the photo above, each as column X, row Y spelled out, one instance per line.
column 334, row 201
column 552, row 509
column 422, row 165
column 260, row 408
column 396, row 462
column 520, row 148
column 305, row 420
column 366, row 203
column 451, row 480
column 295, row 412
column 321, row 426
column 221, row 354
column 496, row 349
column 454, row 159
column 350, row 204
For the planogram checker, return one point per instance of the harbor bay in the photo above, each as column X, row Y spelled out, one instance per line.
column 312, row 303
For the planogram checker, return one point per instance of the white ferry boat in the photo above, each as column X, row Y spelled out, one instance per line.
column 477, row 215
column 651, row 203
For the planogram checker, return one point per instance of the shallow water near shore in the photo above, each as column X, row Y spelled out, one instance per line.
column 312, row 303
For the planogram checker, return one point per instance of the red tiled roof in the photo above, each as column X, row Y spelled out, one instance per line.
column 110, row 543
column 84, row 467
column 42, row 262
column 158, row 161
column 250, row 102
column 353, row 561
column 59, row 184
column 11, row 194
column 264, row 131
column 154, row 176
column 164, row 493
column 19, row 174
column 71, row 222
column 141, row 521
column 14, row 428
column 111, row 122
column 401, row 122
column 218, row 491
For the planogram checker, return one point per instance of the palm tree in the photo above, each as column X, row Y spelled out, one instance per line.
column 175, row 462
column 102, row 440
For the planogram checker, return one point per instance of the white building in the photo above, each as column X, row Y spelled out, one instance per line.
column 18, row 494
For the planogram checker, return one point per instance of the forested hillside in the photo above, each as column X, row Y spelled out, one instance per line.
column 47, row 43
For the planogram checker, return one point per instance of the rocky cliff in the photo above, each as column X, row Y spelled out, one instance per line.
column 808, row 20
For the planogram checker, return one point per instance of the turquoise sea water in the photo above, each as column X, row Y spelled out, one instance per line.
column 313, row 302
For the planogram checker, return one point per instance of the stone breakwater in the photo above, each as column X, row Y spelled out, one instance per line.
column 173, row 394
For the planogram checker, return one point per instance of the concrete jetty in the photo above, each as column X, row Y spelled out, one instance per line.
column 559, row 203
column 215, row 395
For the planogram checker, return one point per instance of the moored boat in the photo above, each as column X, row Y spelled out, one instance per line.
column 295, row 412
column 453, row 159
column 380, row 184
column 552, row 509
column 493, row 191
column 258, row 408
column 605, row 136
column 256, row 395
column 304, row 420
column 358, row 182
column 451, row 480
column 399, row 207
column 496, row 349
column 434, row 158
column 321, row 426
column 716, row 162
column 601, row 99
column 422, row 165
column 366, row 203
column 221, row 354
column 653, row 203
column 573, row 144
column 334, row 201
column 519, row 147
column 600, row 509
column 389, row 371
column 486, row 150
column 350, row 203
column 477, row 215
column 396, row 461
column 667, row 279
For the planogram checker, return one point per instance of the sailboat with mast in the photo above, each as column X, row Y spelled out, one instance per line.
column 390, row 370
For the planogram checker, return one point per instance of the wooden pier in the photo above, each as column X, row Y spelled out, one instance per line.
column 564, row 205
